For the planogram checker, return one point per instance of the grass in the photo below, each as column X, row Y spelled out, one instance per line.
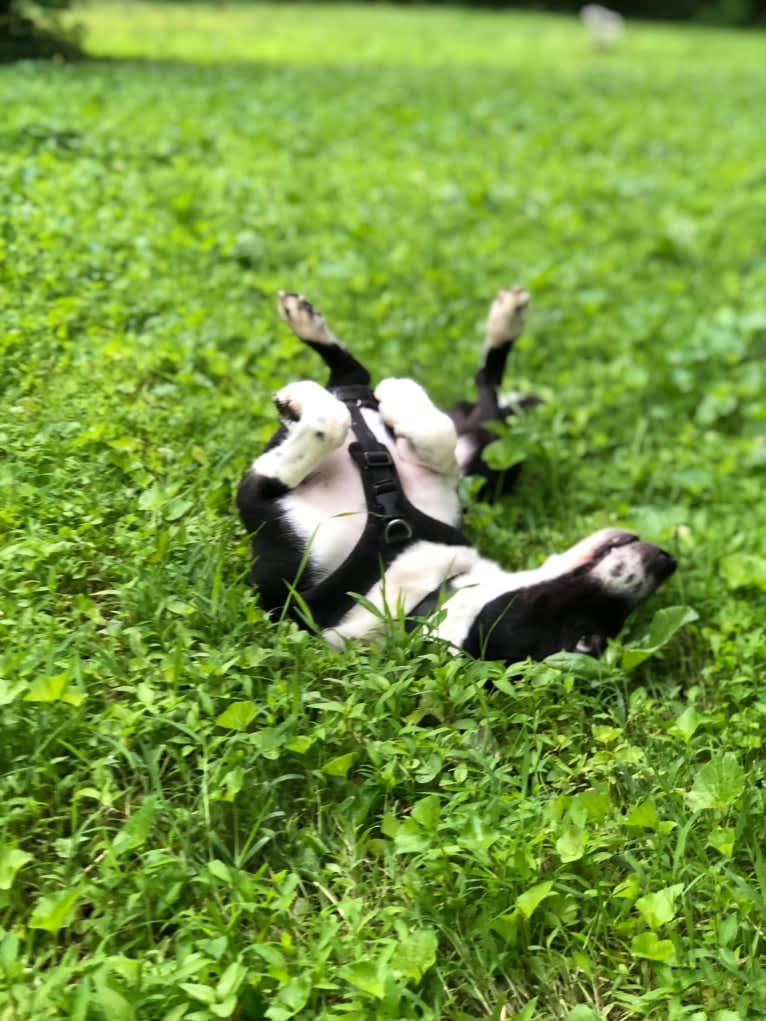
column 203, row 815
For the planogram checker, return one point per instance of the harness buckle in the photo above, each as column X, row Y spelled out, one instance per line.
column 377, row 459
column 397, row 530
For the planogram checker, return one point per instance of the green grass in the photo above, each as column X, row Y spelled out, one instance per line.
column 203, row 815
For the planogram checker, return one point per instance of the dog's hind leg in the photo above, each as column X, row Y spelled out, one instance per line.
column 309, row 326
column 505, row 324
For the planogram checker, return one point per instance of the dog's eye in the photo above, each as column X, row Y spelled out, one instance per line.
column 591, row 645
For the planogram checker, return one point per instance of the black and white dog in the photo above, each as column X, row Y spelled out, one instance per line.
column 356, row 495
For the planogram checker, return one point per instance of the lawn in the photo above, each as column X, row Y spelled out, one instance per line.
column 205, row 815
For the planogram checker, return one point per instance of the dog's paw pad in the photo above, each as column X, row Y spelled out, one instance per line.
column 315, row 408
column 295, row 398
column 288, row 407
column 302, row 318
column 507, row 312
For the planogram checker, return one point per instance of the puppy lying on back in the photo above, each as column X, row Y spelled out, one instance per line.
column 356, row 495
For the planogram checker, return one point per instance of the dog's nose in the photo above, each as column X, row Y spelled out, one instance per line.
column 657, row 561
column 664, row 563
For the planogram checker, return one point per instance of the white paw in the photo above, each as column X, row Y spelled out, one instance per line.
column 317, row 409
column 429, row 434
column 292, row 399
column 316, row 423
column 401, row 400
column 303, row 319
column 506, row 316
column 312, row 406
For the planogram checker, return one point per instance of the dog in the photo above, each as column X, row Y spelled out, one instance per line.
column 355, row 518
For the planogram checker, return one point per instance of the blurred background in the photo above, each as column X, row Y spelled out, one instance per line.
column 41, row 28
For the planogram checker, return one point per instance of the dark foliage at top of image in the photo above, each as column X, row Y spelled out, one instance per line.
column 33, row 30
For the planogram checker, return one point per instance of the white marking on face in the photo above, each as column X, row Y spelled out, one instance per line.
column 584, row 550
column 622, row 572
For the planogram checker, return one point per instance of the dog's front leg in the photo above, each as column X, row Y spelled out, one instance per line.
column 316, row 424
column 424, row 434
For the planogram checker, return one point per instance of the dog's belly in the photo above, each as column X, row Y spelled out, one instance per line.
column 435, row 495
column 328, row 510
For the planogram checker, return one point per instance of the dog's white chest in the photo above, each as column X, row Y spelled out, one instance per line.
column 328, row 510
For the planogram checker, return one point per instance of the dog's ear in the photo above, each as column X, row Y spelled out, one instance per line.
column 591, row 645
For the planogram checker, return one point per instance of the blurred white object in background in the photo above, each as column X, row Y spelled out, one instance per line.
column 605, row 26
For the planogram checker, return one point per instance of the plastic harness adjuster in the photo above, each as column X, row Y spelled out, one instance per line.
column 382, row 488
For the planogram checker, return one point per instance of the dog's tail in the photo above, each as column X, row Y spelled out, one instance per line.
column 309, row 326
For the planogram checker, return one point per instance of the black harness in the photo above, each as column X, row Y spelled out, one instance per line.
column 393, row 523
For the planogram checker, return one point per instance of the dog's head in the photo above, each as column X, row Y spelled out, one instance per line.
column 575, row 602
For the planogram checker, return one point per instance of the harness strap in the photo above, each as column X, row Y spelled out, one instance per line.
column 392, row 521
column 358, row 394
column 380, row 479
